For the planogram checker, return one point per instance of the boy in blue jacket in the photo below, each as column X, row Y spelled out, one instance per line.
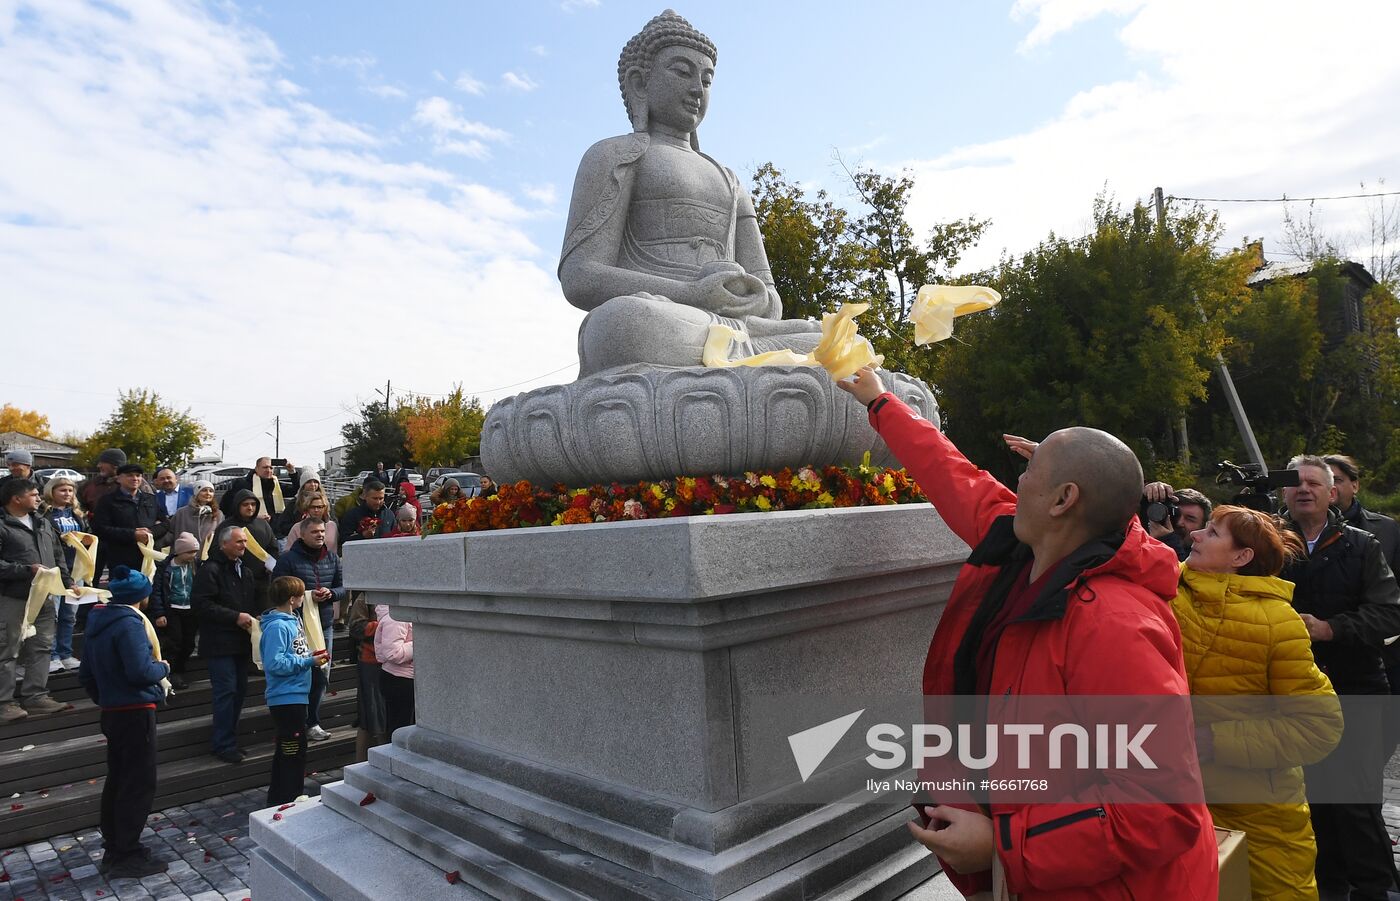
column 121, row 674
column 287, row 661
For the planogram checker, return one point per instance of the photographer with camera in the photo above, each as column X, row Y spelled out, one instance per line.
column 1349, row 601
column 1171, row 514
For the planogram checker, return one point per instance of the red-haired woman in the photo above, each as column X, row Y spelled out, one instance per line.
column 1241, row 637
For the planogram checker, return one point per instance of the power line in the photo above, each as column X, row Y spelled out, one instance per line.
column 1282, row 199
column 479, row 391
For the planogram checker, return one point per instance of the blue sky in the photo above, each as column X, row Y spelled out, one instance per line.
column 290, row 203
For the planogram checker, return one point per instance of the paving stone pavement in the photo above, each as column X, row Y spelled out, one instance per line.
column 206, row 845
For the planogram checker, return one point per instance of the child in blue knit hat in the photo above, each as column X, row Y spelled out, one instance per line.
column 122, row 676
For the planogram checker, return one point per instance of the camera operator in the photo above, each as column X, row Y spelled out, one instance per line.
column 1171, row 514
column 1349, row 601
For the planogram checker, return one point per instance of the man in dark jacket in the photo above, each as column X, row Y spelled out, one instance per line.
column 1349, row 601
column 316, row 565
column 370, row 507
column 123, row 519
column 247, row 513
column 105, row 482
column 262, row 482
column 122, row 676
column 28, row 542
column 225, row 602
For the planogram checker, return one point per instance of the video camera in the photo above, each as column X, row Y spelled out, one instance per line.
column 1256, row 483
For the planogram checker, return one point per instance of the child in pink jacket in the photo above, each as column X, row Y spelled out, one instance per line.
column 393, row 645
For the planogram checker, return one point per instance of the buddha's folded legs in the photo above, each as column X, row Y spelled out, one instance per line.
column 653, row 330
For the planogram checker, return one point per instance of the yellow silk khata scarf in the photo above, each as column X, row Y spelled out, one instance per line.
column 274, row 504
column 85, row 556
column 841, row 350
column 311, row 621
column 149, row 558
column 155, row 646
column 253, row 547
column 49, row 582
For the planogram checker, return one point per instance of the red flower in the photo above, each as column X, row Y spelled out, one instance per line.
column 368, row 799
column 454, row 877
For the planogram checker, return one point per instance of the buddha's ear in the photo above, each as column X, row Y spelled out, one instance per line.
column 636, row 81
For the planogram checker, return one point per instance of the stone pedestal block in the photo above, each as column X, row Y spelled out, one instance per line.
column 600, row 710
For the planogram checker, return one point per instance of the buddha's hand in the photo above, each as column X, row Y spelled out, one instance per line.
column 729, row 293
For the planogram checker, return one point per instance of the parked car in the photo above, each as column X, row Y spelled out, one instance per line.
column 415, row 478
column 43, row 475
column 470, row 482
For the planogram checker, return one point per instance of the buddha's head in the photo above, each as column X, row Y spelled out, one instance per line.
column 664, row 73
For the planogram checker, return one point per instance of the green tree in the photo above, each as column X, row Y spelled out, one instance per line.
column 1310, row 384
column 1105, row 331
column 151, row 432
column 378, row 436
column 27, row 422
column 823, row 255
column 444, row 432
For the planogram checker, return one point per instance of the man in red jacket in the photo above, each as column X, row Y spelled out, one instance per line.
column 1063, row 595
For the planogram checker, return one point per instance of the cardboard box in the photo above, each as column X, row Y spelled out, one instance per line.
column 1234, row 865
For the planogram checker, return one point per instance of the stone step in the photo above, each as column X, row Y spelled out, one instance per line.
column 83, row 716
column 70, row 760
column 73, row 807
column 534, row 849
column 476, row 866
column 784, row 841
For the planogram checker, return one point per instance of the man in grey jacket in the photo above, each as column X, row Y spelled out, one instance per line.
column 28, row 543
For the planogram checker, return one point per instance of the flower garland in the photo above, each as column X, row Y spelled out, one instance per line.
column 521, row 504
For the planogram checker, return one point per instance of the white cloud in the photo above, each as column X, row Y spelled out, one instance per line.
column 540, row 50
column 569, row 6
column 1053, row 17
column 1219, row 109
column 518, row 81
column 172, row 183
column 387, row 91
column 545, row 195
column 454, row 134
column 469, row 85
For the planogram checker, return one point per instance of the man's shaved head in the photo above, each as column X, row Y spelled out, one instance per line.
column 1107, row 472
column 1081, row 479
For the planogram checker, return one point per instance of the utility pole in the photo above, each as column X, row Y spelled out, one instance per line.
column 276, row 436
column 1232, row 396
column 388, row 395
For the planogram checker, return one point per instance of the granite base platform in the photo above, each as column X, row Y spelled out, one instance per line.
column 596, row 713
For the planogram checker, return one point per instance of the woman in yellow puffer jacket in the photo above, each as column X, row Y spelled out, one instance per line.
column 1241, row 637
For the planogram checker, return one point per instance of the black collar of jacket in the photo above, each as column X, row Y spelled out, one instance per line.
column 1001, row 548
column 1335, row 529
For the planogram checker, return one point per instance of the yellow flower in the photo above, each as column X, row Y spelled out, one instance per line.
column 762, row 502
column 670, row 503
column 656, row 490
column 889, row 483
column 826, row 499
column 768, row 481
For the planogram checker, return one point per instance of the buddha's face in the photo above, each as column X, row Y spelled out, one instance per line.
column 678, row 88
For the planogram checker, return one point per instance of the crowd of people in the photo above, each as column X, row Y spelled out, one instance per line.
column 1069, row 590
column 260, row 562
column 1065, row 594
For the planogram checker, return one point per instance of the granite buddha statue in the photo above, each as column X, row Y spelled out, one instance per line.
column 662, row 245
column 662, row 241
